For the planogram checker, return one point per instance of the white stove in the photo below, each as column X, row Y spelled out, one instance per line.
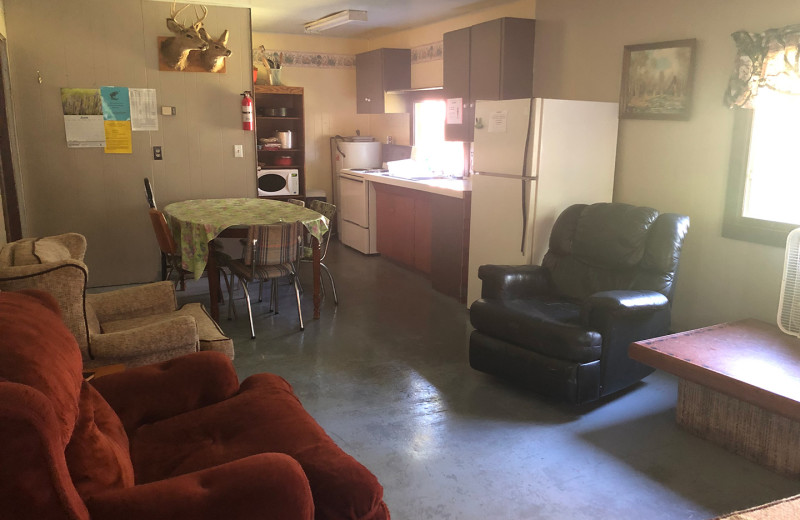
column 355, row 196
column 358, row 214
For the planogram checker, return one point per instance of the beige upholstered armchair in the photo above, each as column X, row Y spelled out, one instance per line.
column 135, row 326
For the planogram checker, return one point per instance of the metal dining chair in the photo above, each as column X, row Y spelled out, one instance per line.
column 329, row 211
column 148, row 191
column 270, row 254
column 296, row 202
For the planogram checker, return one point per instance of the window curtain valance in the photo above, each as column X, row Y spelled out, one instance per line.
column 764, row 60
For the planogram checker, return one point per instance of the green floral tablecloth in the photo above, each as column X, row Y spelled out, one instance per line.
column 195, row 223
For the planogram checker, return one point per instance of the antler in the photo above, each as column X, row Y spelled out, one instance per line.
column 199, row 21
column 173, row 12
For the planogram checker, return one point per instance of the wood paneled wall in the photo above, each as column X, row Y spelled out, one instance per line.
column 92, row 43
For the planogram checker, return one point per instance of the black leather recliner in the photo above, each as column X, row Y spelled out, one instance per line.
column 563, row 328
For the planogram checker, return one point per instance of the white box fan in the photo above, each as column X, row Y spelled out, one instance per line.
column 789, row 306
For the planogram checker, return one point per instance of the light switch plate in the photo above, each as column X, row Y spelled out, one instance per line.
column 167, row 111
column 238, row 150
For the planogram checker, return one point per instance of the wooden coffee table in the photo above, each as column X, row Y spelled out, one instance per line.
column 739, row 387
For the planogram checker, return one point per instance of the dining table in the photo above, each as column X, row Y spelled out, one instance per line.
column 196, row 223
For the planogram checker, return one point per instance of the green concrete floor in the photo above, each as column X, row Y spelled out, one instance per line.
column 386, row 374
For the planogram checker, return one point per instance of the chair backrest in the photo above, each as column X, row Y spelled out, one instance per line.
column 56, row 427
column 613, row 246
column 166, row 242
column 148, row 191
column 274, row 244
column 297, row 202
column 324, row 208
column 39, row 263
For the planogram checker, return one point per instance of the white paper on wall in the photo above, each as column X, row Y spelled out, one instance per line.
column 144, row 110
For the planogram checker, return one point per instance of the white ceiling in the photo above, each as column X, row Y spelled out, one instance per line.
column 288, row 16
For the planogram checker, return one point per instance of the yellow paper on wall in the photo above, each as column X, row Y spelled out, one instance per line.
column 118, row 137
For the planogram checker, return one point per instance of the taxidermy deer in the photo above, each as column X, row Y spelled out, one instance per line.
column 175, row 50
column 213, row 58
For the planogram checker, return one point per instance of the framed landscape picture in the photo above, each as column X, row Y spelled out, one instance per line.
column 657, row 80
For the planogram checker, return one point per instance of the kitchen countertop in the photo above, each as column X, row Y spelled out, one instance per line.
column 444, row 186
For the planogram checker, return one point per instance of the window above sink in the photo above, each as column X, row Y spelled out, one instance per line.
column 434, row 156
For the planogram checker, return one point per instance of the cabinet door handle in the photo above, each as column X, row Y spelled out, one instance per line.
column 368, row 100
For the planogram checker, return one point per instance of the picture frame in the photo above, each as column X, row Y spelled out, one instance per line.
column 657, row 80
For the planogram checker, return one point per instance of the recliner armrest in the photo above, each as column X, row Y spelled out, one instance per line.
column 509, row 282
column 154, row 392
column 625, row 302
column 269, row 485
column 176, row 333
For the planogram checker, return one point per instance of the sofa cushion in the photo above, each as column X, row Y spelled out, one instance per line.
column 265, row 416
column 98, row 456
column 548, row 327
column 37, row 350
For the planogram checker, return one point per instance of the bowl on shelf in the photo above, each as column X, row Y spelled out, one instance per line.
column 276, row 112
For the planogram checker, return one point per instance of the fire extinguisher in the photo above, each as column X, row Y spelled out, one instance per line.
column 247, row 111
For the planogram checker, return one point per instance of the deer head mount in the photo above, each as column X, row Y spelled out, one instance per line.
column 213, row 57
column 175, row 50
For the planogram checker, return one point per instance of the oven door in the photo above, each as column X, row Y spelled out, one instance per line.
column 354, row 202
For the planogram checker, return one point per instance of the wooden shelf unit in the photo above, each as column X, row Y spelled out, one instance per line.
column 291, row 98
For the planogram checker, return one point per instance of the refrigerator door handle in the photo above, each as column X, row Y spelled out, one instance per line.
column 507, row 176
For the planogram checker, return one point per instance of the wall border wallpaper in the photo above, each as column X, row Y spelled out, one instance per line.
column 419, row 54
column 428, row 52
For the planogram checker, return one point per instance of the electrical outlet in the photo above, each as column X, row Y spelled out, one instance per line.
column 238, row 150
column 157, row 156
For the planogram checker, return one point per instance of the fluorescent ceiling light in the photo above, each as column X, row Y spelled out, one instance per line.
column 335, row 20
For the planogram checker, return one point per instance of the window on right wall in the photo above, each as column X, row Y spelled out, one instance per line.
column 763, row 198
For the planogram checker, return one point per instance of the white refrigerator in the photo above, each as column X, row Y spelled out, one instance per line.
column 531, row 159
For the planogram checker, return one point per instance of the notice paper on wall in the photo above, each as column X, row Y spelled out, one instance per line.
column 144, row 110
column 117, row 119
column 118, row 136
column 116, row 103
column 83, row 117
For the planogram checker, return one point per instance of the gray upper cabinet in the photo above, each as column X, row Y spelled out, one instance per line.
column 492, row 60
column 455, row 77
column 380, row 71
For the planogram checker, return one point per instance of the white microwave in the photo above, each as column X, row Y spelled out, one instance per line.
column 278, row 182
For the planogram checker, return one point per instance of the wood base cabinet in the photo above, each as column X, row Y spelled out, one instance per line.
column 425, row 232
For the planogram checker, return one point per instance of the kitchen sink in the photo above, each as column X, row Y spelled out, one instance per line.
column 421, row 178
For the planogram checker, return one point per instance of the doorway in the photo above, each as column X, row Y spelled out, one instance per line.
column 8, row 183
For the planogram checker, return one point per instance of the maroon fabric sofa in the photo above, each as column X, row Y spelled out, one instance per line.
column 180, row 439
